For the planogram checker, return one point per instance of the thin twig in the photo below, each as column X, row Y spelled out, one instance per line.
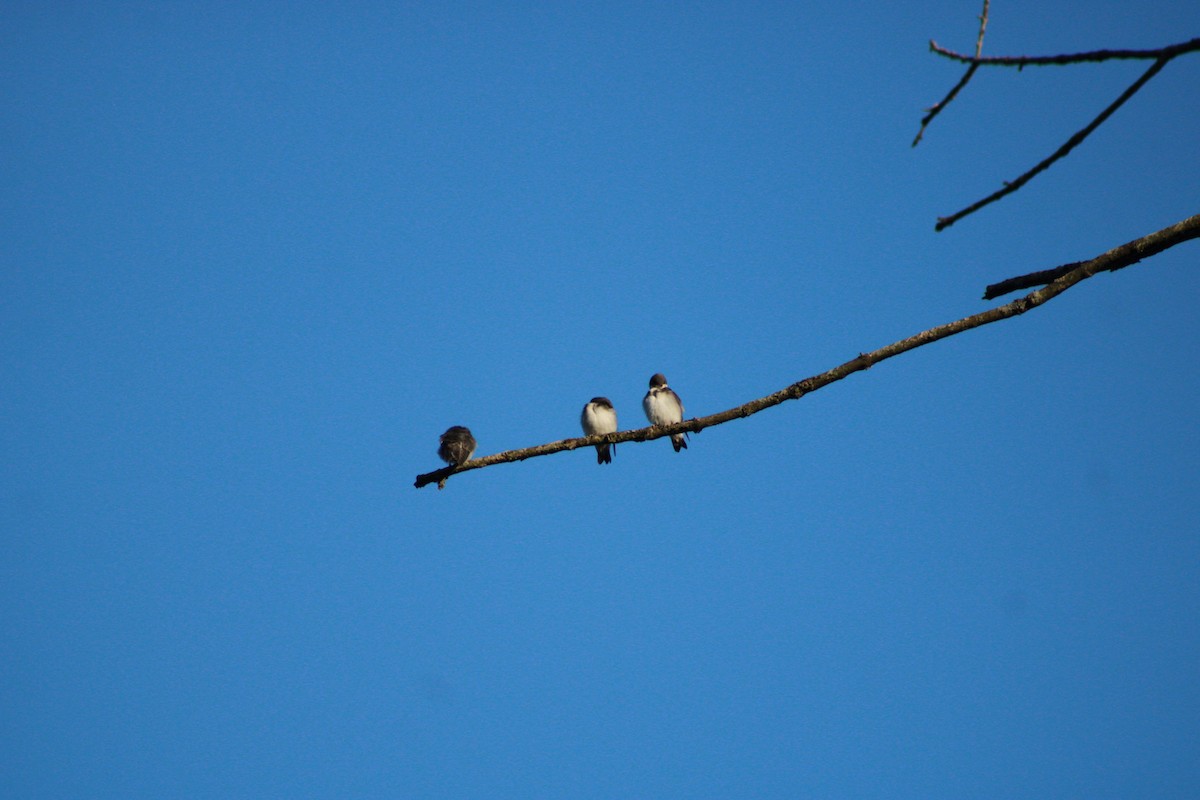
column 936, row 108
column 1011, row 186
column 1168, row 52
column 1113, row 259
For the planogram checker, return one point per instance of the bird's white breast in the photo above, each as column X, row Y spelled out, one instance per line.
column 597, row 419
column 662, row 408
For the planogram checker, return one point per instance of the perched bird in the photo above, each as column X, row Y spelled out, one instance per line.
column 457, row 445
column 663, row 407
column 599, row 416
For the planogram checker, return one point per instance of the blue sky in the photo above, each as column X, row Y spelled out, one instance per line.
column 256, row 259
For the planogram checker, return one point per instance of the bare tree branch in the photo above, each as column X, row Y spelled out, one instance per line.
column 1116, row 258
column 1011, row 186
column 1020, row 62
column 936, row 108
column 1113, row 260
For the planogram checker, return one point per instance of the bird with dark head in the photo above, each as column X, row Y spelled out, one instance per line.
column 663, row 407
column 457, row 446
column 599, row 416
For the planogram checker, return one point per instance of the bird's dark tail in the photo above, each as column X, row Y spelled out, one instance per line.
column 603, row 454
column 679, row 442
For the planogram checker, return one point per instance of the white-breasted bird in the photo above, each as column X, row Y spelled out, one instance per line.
column 599, row 416
column 663, row 407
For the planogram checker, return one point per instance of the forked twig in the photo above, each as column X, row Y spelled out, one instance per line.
column 1160, row 55
column 937, row 107
column 1115, row 259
